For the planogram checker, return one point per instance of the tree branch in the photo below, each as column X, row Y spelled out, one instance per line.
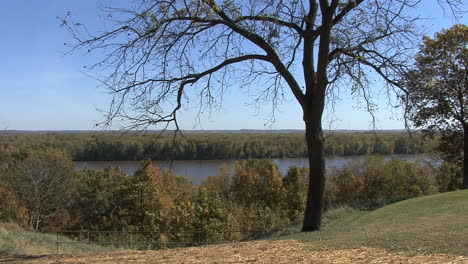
column 276, row 21
column 261, row 43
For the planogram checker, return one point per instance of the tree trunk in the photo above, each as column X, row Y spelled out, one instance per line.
column 313, row 104
column 465, row 158
column 315, row 142
column 38, row 220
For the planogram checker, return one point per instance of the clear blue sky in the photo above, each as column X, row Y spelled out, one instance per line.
column 41, row 89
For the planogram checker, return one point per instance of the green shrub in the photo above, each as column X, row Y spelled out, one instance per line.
column 449, row 177
column 374, row 179
column 212, row 218
column 293, row 183
column 349, row 185
column 258, row 217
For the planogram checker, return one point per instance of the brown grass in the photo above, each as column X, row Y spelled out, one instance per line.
column 286, row 251
column 11, row 226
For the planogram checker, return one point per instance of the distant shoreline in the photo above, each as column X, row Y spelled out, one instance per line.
column 240, row 131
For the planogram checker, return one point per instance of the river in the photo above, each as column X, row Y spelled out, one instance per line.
column 198, row 170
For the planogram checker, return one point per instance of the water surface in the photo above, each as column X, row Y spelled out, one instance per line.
column 198, row 170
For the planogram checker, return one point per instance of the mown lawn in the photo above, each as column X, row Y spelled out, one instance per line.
column 430, row 224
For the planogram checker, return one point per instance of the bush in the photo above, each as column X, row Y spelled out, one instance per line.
column 349, row 186
column 258, row 181
column 11, row 209
column 212, row 217
column 374, row 179
column 294, row 183
column 258, row 217
column 449, row 177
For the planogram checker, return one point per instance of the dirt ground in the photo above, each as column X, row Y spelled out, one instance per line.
column 249, row 252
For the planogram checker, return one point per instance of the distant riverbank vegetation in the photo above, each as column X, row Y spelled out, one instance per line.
column 109, row 146
column 39, row 189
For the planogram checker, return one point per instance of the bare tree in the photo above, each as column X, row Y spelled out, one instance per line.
column 161, row 54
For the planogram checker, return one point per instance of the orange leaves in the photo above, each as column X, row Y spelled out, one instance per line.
column 11, row 208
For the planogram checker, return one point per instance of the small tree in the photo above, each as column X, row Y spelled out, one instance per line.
column 144, row 198
column 438, row 92
column 220, row 183
column 258, row 181
column 212, row 217
column 294, row 201
column 182, row 218
column 101, row 199
column 43, row 181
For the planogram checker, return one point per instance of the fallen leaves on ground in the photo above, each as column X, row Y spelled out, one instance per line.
column 285, row 251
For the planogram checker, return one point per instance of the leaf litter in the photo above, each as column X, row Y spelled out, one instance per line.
column 278, row 252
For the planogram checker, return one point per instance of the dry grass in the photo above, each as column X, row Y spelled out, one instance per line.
column 286, row 251
column 17, row 241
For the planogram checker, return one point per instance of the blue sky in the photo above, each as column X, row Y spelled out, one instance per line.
column 41, row 89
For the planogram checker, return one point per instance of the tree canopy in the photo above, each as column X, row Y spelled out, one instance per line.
column 42, row 179
column 438, row 90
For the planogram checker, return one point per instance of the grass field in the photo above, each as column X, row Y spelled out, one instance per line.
column 430, row 224
column 17, row 241
column 431, row 229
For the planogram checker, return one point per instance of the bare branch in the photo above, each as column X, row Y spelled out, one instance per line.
column 290, row 25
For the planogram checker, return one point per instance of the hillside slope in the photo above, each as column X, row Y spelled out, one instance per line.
column 431, row 229
column 17, row 241
column 436, row 224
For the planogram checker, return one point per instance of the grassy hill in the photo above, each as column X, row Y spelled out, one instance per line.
column 431, row 224
column 17, row 241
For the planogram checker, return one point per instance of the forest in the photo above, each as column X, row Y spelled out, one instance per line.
column 113, row 146
column 41, row 190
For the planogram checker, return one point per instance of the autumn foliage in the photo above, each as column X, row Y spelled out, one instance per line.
column 254, row 196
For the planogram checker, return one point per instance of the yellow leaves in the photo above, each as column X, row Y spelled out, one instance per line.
column 216, row 8
column 11, row 208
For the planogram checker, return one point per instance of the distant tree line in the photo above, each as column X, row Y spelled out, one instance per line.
column 130, row 146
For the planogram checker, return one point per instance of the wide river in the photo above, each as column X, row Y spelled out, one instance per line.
column 198, row 170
